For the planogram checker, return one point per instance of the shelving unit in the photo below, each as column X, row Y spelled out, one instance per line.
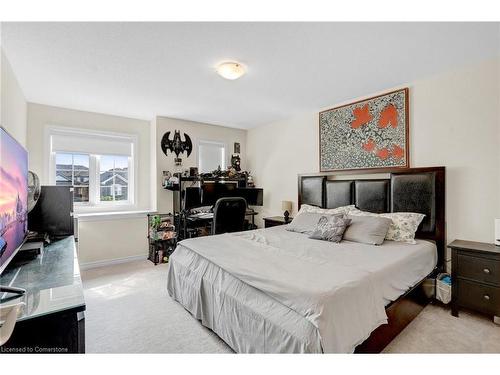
column 162, row 237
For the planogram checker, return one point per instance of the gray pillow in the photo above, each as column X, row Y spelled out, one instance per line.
column 367, row 229
column 330, row 228
column 305, row 222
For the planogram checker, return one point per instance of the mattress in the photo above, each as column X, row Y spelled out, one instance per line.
column 271, row 290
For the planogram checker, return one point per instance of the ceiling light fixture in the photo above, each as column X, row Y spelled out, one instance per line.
column 230, row 70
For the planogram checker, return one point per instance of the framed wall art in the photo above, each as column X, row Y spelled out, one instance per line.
column 369, row 134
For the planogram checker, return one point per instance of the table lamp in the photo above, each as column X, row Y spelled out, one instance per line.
column 287, row 207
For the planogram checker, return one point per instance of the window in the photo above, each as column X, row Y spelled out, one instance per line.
column 73, row 170
column 113, row 178
column 211, row 155
column 100, row 166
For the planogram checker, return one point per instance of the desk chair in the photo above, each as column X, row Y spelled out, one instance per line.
column 229, row 215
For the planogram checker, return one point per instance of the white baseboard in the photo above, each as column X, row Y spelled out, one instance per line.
column 110, row 262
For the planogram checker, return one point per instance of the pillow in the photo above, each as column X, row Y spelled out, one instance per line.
column 305, row 222
column 330, row 228
column 344, row 210
column 403, row 226
column 367, row 229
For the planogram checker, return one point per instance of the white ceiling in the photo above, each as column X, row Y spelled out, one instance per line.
column 142, row 70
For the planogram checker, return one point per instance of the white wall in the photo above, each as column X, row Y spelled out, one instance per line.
column 112, row 239
column 13, row 104
column 197, row 131
column 454, row 121
column 102, row 239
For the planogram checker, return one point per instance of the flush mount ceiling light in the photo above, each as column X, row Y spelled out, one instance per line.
column 230, row 70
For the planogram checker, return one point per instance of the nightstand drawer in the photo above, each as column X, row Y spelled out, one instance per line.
column 479, row 296
column 479, row 269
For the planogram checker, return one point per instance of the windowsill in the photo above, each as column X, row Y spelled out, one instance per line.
column 111, row 215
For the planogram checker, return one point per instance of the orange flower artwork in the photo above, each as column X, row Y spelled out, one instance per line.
column 398, row 152
column 370, row 133
column 383, row 153
column 370, row 145
column 362, row 115
column 389, row 115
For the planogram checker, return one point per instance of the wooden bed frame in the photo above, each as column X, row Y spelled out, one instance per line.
column 387, row 190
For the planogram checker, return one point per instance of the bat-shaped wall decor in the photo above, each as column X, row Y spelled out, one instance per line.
column 176, row 145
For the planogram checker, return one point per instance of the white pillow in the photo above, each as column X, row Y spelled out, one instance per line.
column 326, row 211
column 403, row 226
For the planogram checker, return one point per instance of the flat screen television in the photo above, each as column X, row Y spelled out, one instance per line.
column 13, row 197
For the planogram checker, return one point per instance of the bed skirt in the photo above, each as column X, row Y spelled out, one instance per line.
column 248, row 320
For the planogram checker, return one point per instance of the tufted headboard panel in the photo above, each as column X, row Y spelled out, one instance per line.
column 400, row 190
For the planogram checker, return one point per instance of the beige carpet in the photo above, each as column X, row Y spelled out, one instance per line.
column 129, row 311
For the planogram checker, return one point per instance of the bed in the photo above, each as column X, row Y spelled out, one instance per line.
column 275, row 291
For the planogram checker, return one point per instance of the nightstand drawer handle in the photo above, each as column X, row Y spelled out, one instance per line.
column 486, row 297
column 486, row 271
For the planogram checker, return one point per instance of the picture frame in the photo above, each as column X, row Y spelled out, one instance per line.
column 371, row 133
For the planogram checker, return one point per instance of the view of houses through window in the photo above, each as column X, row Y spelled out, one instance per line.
column 113, row 178
column 77, row 170
column 73, row 169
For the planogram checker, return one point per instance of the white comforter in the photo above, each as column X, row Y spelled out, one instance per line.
column 342, row 289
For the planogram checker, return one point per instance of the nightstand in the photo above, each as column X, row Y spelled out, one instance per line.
column 475, row 277
column 275, row 221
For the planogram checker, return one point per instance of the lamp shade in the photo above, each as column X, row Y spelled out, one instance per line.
column 286, row 206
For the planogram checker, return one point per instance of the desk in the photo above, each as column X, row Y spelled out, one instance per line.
column 207, row 218
column 52, row 320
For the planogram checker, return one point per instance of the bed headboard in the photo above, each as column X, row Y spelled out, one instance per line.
column 397, row 190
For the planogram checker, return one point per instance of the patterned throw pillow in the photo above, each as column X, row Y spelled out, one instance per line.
column 305, row 222
column 330, row 228
column 344, row 210
column 403, row 226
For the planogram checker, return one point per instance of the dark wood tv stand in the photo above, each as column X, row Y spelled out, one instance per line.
column 53, row 319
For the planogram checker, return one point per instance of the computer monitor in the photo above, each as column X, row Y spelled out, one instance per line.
column 212, row 191
column 253, row 196
column 53, row 213
column 192, row 198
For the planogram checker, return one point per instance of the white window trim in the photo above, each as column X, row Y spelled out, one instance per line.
column 213, row 142
column 94, row 204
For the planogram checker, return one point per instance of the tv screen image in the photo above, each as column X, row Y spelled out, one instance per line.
column 13, row 197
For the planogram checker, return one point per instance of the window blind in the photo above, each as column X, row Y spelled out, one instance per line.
column 91, row 144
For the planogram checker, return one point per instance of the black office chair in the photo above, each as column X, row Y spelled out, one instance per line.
column 229, row 215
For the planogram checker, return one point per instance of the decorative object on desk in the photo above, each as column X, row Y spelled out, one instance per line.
column 176, row 145
column 371, row 133
column 236, row 162
column 193, row 171
column 250, row 182
column 219, row 173
column 287, row 207
column 166, row 178
column 231, row 172
column 174, row 180
column 497, row 232
column 33, row 190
